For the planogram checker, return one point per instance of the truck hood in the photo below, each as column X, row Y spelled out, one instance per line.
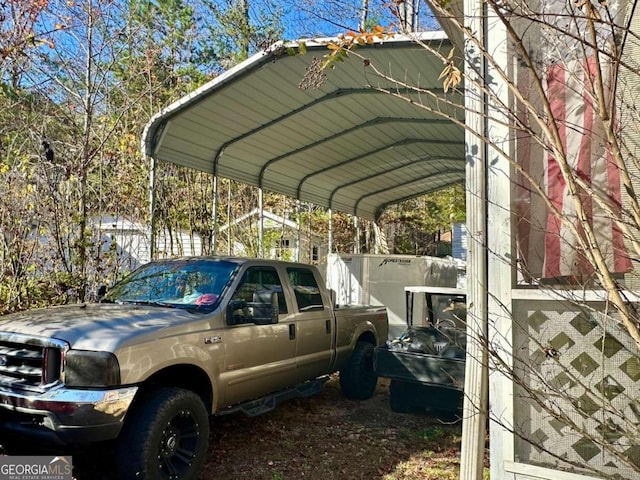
column 99, row 326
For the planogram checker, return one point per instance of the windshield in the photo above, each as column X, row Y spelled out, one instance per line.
column 177, row 283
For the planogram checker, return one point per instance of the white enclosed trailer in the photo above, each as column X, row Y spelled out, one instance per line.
column 380, row 280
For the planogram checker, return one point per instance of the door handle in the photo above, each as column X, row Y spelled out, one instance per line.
column 292, row 331
column 327, row 326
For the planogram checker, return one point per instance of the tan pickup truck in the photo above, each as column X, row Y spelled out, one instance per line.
column 177, row 341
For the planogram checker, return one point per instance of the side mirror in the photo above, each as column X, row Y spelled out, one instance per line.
column 334, row 297
column 275, row 307
column 266, row 313
column 236, row 312
column 258, row 312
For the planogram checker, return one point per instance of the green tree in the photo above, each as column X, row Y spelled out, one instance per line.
column 415, row 226
column 242, row 27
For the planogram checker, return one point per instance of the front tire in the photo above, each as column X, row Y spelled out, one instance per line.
column 165, row 437
column 357, row 379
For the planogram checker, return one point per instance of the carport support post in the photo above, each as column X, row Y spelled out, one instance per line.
column 229, row 218
column 476, row 374
column 356, row 243
column 330, row 245
column 260, row 224
column 214, row 215
column 152, row 207
column 298, row 232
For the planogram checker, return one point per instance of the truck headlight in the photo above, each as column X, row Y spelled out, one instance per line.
column 85, row 368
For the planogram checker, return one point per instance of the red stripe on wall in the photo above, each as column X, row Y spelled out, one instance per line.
column 555, row 180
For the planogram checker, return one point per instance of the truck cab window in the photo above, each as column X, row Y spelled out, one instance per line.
column 257, row 285
column 306, row 289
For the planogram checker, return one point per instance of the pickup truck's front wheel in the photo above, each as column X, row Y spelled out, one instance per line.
column 165, row 437
column 357, row 379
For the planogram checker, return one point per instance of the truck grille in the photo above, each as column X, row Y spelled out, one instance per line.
column 28, row 365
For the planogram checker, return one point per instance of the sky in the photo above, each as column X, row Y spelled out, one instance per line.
column 314, row 18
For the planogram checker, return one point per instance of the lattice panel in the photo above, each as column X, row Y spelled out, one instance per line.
column 580, row 393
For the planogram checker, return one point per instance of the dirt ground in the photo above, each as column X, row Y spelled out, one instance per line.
column 325, row 436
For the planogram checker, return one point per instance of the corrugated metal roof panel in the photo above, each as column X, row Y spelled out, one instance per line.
column 344, row 145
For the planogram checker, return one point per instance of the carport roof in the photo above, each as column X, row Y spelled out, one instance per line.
column 343, row 145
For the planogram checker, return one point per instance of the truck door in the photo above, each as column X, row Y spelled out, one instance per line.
column 314, row 324
column 259, row 358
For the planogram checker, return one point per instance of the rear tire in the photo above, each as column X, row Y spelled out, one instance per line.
column 357, row 379
column 165, row 436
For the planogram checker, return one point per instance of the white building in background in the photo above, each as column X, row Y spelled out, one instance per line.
column 128, row 240
column 288, row 239
column 131, row 243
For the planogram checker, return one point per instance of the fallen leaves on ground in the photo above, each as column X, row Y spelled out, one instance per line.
column 330, row 437
column 325, row 436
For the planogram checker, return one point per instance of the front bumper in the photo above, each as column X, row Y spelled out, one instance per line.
column 64, row 416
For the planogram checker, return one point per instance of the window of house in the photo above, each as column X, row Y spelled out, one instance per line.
column 284, row 243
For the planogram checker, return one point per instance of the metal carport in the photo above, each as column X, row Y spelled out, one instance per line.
column 357, row 143
column 344, row 145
